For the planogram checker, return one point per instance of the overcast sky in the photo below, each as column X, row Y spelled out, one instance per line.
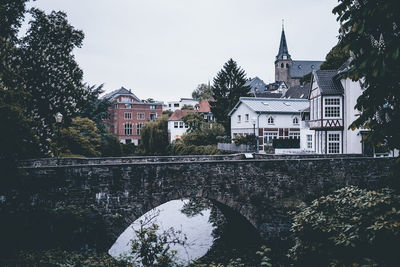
column 163, row 49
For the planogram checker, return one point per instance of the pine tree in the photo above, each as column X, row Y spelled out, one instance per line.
column 229, row 86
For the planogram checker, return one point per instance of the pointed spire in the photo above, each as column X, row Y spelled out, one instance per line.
column 283, row 49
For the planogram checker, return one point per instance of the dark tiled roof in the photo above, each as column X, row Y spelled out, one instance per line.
column 328, row 82
column 283, row 49
column 121, row 91
column 256, row 85
column 298, row 91
column 300, row 68
column 268, row 95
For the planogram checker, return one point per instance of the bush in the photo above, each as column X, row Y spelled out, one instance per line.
column 286, row 143
column 351, row 227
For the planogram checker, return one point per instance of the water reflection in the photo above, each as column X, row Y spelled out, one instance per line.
column 196, row 219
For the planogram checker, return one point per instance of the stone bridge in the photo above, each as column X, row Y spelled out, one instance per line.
column 262, row 189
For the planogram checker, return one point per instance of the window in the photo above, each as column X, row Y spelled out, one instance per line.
column 294, row 135
column 140, row 116
column 153, row 116
column 269, row 136
column 333, row 143
column 169, row 105
column 138, row 128
column 128, row 115
column 270, row 120
column 181, row 124
column 282, row 65
column 128, row 128
column 175, row 124
column 126, row 99
column 309, row 141
column 295, row 120
column 287, row 65
column 239, row 118
column 128, row 106
column 246, row 117
column 332, row 107
column 152, row 106
column 176, row 105
column 128, row 141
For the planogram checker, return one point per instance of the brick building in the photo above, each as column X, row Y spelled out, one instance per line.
column 128, row 114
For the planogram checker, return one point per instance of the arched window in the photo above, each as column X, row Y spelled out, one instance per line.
column 295, row 120
column 282, row 65
column 287, row 65
column 270, row 120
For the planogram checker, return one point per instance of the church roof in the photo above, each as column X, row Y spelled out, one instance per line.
column 283, row 49
column 300, row 68
column 328, row 83
column 298, row 91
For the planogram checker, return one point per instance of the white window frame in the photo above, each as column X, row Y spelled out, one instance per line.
column 246, row 117
column 181, row 124
column 295, row 121
column 176, row 124
column 128, row 128
column 334, row 138
column 141, row 116
column 139, row 128
column 271, row 120
column 335, row 108
column 269, row 136
column 239, row 118
column 128, row 115
column 152, row 107
column 309, row 140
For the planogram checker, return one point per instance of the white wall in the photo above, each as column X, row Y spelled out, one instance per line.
column 176, row 133
column 243, row 127
column 181, row 103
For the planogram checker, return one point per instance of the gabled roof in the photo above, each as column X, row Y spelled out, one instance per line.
column 178, row 114
column 328, row 82
column 121, row 91
column 283, row 49
column 300, row 68
column 298, row 91
column 256, row 85
column 272, row 105
column 204, row 106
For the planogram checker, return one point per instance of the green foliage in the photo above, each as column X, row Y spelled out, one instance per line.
column 194, row 120
column 250, row 139
column 180, row 148
column 203, row 91
column 58, row 257
column 167, row 113
column 229, row 86
column 370, row 30
column 11, row 16
column 336, row 57
column 306, row 78
column 81, row 138
column 110, row 145
column 187, row 107
column 207, row 135
column 154, row 137
column 129, row 149
column 351, row 227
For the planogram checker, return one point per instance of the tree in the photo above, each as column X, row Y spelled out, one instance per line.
column 203, row 91
column 154, row 137
column 194, row 121
column 50, row 72
column 336, row 57
column 80, row 139
column 187, row 107
column 375, row 49
column 351, row 227
column 229, row 86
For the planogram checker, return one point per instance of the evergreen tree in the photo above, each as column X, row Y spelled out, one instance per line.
column 229, row 86
column 370, row 30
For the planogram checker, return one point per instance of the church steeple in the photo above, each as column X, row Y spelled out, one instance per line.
column 283, row 53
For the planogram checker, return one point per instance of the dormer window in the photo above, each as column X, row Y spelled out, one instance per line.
column 270, row 120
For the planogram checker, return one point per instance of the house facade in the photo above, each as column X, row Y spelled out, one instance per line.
column 176, row 105
column 273, row 118
column 128, row 114
column 332, row 102
column 176, row 127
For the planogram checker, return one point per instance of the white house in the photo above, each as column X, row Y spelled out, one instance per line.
column 332, row 101
column 273, row 118
column 175, row 105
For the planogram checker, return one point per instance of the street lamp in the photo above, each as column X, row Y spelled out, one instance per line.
column 58, row 118
column 253, row 121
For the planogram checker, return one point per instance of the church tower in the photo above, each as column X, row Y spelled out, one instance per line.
column 283, row 61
